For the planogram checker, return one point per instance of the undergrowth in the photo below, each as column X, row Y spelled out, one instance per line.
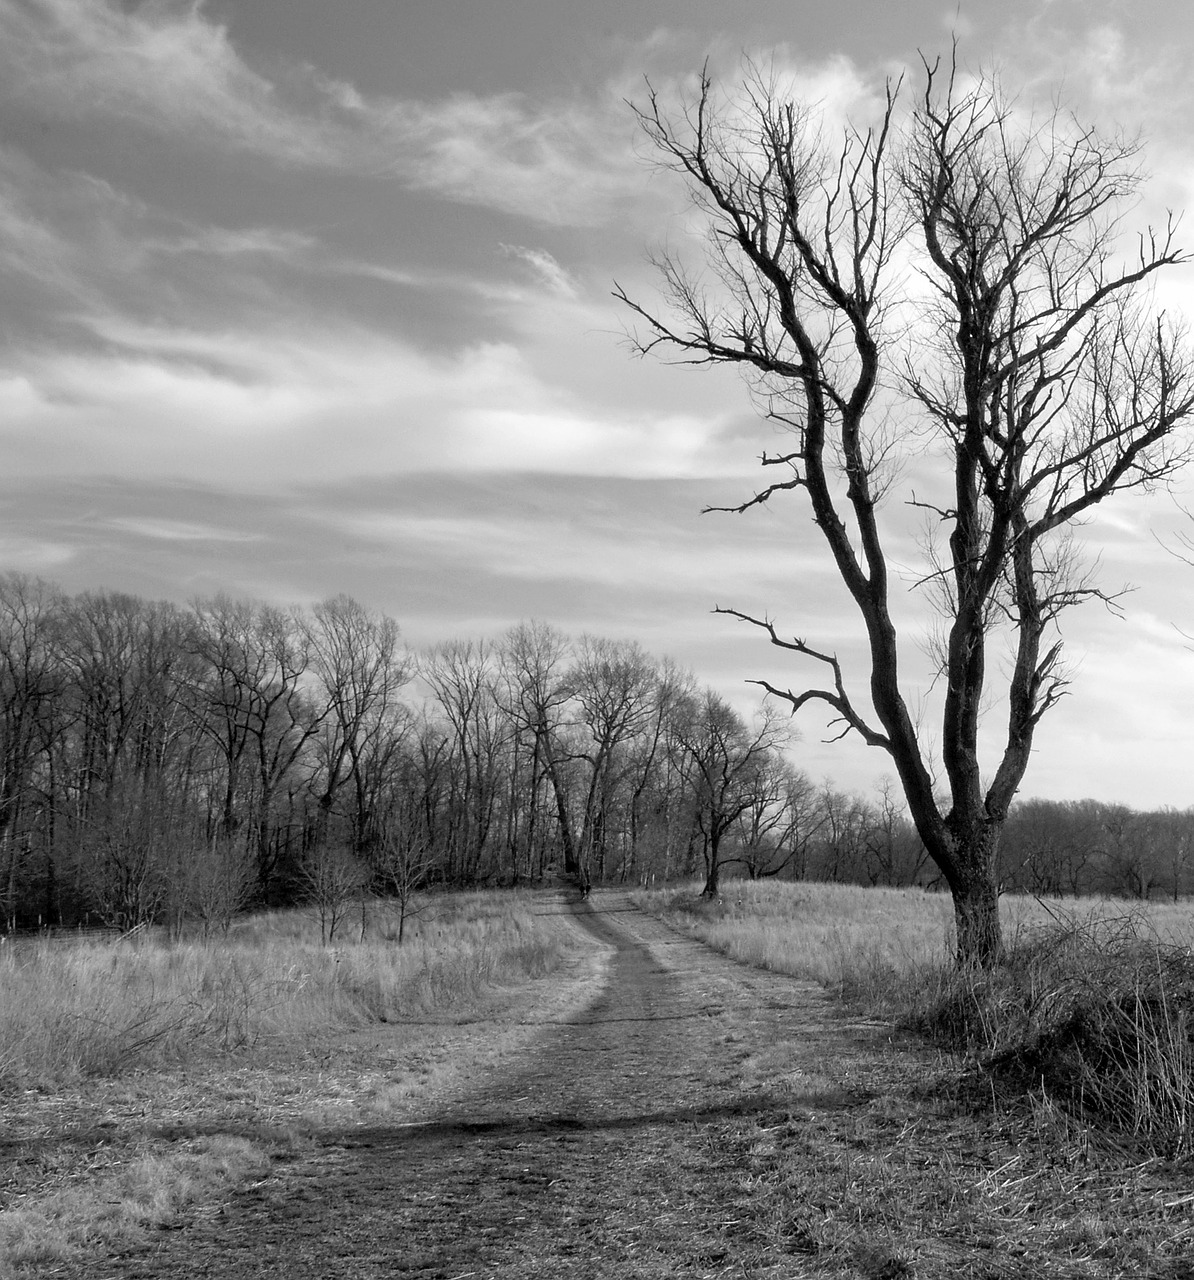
column 1094, row 1012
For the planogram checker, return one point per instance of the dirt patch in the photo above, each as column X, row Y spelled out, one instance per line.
column 673, row 1112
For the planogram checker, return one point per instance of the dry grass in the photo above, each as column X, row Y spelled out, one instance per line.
column 104, row 1009
column 1094, row 1012
column 1093, row 1009
column 1056, row 1144
column 145, row 1080
column 855, row 941
column 120, row 1206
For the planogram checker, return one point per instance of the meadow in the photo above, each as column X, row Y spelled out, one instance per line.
column 149, row 1078
column 1092, row 1010
column 145, row 1076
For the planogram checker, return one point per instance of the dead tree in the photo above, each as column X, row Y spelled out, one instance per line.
column 942, row 292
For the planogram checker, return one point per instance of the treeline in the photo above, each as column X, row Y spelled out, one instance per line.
column 160, row 763
column 1057, row 848
column 166, row 763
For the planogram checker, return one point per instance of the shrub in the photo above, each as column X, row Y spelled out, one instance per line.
column 1096, row 1013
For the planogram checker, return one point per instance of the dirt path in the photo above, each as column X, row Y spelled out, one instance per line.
column 595, row 1153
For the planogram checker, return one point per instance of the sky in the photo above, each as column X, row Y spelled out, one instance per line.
column 300, row 298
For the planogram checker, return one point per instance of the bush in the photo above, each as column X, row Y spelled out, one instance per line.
column 1095, row 1013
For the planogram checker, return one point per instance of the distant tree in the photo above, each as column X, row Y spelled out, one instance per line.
column 332, row 879
column 1049, row 846
column 31, row 682
column 779, row 823
column 1129, row 861
column 210, row 881
column 533, row 691
column 360, row 667
column 253, row 703
column 728, row 764
column 941, row 290
column 894, row 852
column 404, row 860
column 615, row 686
column 463, row 679
column 1171, row 834
column 843, row 840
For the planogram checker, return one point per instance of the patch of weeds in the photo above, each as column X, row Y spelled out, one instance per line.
column 1092, row 1013
column 118, row 1208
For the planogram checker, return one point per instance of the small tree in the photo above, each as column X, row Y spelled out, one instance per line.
column 212, row 882
column 1027, row 368
column 404, row 861
column 332, row 879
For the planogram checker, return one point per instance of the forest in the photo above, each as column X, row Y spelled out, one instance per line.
column 171, row 765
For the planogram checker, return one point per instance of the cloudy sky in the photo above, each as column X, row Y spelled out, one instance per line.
column 303, row 297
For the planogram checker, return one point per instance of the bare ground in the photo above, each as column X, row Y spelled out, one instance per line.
column 670, row 1112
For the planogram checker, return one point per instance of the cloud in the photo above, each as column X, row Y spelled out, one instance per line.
column 274, row 405
column 565, row 163
column 546, row 269
column 162, row 66
column 168, row 69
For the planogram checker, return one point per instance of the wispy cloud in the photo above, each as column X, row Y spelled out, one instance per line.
column 171, row 70
column 164, row 67
column 545, row 268
column 563, row 163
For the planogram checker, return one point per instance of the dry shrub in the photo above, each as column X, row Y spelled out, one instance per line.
column 1096, row 1013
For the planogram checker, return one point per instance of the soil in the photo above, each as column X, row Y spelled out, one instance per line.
column 594, row 1152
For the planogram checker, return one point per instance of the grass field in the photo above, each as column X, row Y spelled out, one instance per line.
column 861, row 941
column 76, row 1010
column 147, row 1079
column 179, row 1070
column 1093, row 1007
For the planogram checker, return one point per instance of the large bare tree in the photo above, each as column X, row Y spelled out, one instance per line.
column 943, row 289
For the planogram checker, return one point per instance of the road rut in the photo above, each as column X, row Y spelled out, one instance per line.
column 594, row 1154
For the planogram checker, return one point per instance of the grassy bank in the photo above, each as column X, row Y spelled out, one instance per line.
column 1092, row 1012
column 148, row 1077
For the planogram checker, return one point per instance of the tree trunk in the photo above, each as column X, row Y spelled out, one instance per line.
column 974, row 885
column 713, row 867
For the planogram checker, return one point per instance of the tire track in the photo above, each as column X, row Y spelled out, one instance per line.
column 594, row 1155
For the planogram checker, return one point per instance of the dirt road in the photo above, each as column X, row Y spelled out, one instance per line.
column 595, row 1153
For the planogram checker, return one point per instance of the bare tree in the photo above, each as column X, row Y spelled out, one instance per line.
column 533, row 691
column 252, row 703
column 1028, row 368
column 780, row 821
column 211, row 881
column 30, row 683
column 356, row 656
column 332, row 879
column 615, row 684
column 728, row 764
column 464, row 681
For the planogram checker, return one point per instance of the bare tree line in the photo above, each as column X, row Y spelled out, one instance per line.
column 166, row 763
column 175, row 764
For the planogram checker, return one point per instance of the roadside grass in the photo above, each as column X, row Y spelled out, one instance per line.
column 1092, row 1011
column 147, row 1078
column 1053, row 1136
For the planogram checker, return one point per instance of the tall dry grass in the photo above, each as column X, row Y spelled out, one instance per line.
column 1092, row 1008
column 104, row 1008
